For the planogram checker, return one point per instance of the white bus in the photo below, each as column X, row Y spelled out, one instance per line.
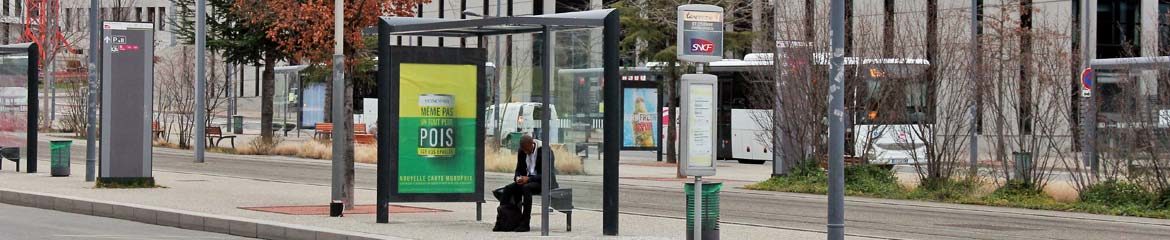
column 885, row 108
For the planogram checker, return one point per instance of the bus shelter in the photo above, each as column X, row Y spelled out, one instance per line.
column 18, row 103
column 403, row 70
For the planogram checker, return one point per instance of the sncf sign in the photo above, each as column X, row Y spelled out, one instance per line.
column 699, row 45
column 700, row 33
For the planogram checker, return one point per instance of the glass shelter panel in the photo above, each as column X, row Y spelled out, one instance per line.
column 14, row 105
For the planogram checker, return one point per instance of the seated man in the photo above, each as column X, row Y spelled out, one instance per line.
column 527, row 180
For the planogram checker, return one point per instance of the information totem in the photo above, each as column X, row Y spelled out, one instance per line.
column 127, row 91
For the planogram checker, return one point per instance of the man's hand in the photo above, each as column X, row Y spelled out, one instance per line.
column 522, row 180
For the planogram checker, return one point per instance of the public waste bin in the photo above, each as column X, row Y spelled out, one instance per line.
column 710, row 210
column 238, row 124
column 1023, row 165
column 513, row 141
column 59, row 158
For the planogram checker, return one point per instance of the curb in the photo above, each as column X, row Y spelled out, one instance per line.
column 237, row 226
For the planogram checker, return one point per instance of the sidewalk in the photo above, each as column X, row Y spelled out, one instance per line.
column 225, row 197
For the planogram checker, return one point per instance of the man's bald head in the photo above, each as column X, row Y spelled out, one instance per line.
column 527, row 144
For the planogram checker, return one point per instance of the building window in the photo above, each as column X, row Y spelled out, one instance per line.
column 5, row 10
column 1118, row 28
column 68, row 19
column 19, row 9
column 150, row 14
column 1163, row 87
column 138, row 14
column 162, row 18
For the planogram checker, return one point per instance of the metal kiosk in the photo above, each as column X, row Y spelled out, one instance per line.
column 390, row 28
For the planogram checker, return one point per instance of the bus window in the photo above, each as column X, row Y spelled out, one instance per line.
column 893, row 101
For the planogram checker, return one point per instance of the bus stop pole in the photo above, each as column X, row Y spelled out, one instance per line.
column 836, row 111
column 339, row 119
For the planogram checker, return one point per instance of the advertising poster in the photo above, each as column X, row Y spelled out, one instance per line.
column 638, row 123
column 702, row 113
column 437, row 128
column 13, row 99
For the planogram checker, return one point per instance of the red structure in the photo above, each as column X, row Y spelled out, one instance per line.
column 41, row 18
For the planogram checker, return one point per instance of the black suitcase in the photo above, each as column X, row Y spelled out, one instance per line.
column 508, row 218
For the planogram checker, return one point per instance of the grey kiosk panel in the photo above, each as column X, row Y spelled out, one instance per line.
column 127, row 92
column 700, row 104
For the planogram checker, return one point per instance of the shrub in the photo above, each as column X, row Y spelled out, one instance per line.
column 945, row 189
column 872, row 180
column 1115, row 193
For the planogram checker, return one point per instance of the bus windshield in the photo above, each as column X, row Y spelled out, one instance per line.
column 884, row 99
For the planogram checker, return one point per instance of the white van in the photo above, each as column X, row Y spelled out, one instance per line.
column 521, row 117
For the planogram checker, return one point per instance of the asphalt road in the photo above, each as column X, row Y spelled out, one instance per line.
column 864, row 217
column 18, row 222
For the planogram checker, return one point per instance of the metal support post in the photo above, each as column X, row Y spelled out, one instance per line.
column 611, row 150
column 339, row 135
column 545, row 149
column 973, row 131
column 698, row 207
column 836, row 113
column 91, row 100
column 200, row 78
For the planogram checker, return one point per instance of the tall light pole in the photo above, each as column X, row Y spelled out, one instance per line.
column 91, row 101
column 972, row 131
column 836, row 113
column 200, row 78
column 339, row 123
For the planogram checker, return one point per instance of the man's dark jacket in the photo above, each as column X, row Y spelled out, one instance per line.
column 522, row 166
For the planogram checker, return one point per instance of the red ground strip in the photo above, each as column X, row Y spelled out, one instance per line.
column 324, row 209
column 652, row 164
column 670, row 179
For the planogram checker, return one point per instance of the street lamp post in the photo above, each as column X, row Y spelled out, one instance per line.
column 836, row 113
column 339, row 133
column 91, row 101
column 200, row 78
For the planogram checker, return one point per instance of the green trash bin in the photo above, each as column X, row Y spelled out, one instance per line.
column 238, row 124
column 513, row 141
column 1023, row 165
column 59, row 159
column 710, row 210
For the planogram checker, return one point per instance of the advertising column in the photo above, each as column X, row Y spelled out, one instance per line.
column 127, row 92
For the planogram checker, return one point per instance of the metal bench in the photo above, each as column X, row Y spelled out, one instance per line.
column 562, row 201
column 215, row 135
column 12, row 154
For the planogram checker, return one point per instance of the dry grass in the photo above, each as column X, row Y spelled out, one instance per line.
column 504, row 160
column 363, row 153
column 499, row 160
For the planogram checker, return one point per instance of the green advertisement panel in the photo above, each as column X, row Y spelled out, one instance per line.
column 431, row 124
column 437, row 128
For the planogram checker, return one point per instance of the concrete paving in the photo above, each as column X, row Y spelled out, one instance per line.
column 651, row 204
column 224, row 195
column 18, row 222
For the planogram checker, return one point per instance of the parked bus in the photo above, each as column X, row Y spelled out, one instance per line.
column 885, row 105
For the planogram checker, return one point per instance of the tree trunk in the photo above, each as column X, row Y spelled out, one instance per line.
column 347, row 189
column 759, row 41
column 672, row 125
column 267, row 88
column 934, row 165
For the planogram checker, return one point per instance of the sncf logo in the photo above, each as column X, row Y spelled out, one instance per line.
column 700, row 45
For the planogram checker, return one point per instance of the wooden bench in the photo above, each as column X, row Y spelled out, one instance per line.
column 215, row 135
column 156, row 130
column 323, row 130
column 12, row 154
